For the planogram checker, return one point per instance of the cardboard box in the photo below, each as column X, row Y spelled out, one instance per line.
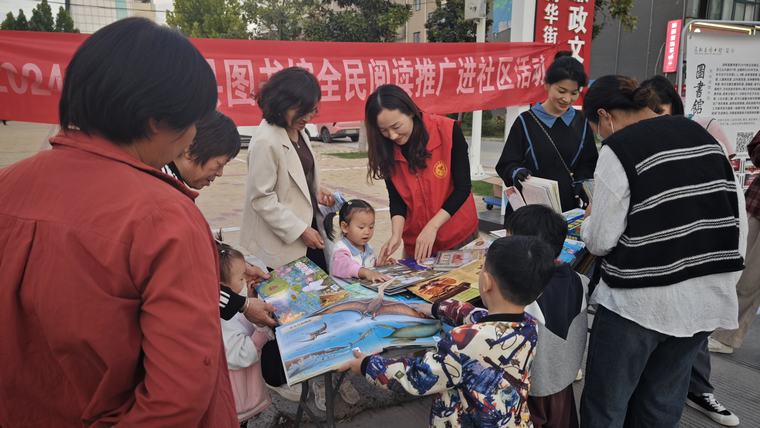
column 497, row 183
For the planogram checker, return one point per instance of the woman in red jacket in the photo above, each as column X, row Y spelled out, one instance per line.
column 423, row 159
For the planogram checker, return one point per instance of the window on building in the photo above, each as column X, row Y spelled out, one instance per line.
column 746, row 10
column 417, row 5
column 416, row 37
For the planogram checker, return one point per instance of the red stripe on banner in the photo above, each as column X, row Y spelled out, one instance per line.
column 441, row 77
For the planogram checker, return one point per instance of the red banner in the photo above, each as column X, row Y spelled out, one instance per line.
column 567, row 24
column 441, row 77
column 672, row 44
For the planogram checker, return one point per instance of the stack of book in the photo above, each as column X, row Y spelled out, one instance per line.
column 454, row 259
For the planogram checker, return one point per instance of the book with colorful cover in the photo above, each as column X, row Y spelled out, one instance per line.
column 572, row 252
column 478, row 244
column 454, row 259
column 324, row 341
column 404, row 275
column 574, row 220
column 459, row 284
column 299, row 289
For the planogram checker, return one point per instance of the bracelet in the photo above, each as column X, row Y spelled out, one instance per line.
column 245, row 306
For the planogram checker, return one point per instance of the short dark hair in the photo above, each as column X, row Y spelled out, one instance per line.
column 521, row 267
column 293, row 87
column 217, row 136
column 614, row 92
column 380, row 149
column 345, row 213
column 566, row 67
column 539, row 221
column 663, row 92
column 130, row 72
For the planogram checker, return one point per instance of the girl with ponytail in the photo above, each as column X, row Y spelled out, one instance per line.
column 353, row 256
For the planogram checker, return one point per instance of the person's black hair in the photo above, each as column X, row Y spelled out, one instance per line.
column 540, row 221
column 344, row 214
column 380, row 153
column 217, row 135
column 521, row 267
column 227, row 255
column 566, row 68
column 131, row 72
column 293, row 87
column 614, row 92
column 663, row 92
column 562, row 54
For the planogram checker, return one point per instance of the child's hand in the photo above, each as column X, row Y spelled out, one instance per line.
column 378, row 277
column 373, row 276
column 354, row 365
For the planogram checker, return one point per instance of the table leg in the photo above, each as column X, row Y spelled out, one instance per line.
column 303, row 407
column 329, row 400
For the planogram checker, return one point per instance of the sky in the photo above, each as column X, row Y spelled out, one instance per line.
column 27, row 5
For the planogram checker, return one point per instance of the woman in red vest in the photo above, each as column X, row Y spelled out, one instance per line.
column 423, row 160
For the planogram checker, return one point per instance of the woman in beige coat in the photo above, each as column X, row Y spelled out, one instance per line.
column 280, row 215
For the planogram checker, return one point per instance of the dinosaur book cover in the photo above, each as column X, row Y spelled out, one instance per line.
column 324, row 341
column 459, row 284
column 298, row 289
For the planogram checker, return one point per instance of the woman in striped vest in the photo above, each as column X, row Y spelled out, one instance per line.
column 666, row 222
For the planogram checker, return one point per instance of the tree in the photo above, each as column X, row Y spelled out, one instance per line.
column 357, row 21
column 447, row 23
column 616, row 9
column 42, row 17
column 21, row 23
column 9, row 23
column 63, row 22
column 278, row 19
column 208, row 18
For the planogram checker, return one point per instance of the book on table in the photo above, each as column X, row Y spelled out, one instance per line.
column 459, row 284
column 405, row 273
column 453, row 259
column 323, row 319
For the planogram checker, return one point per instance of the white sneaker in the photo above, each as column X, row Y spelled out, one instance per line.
column 579, row 376
column 717, row 346
column 320, row 397
column 708, row 405
column 348, row 393
column 290, row 393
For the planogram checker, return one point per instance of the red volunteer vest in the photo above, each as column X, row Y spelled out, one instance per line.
column 425, row 192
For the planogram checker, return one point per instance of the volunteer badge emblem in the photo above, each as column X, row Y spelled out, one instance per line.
column 439, row 169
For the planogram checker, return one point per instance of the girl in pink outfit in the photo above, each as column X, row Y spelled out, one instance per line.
column 243, row 342
column 352, row 256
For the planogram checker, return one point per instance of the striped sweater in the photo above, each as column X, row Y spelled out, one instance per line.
column 683, row 220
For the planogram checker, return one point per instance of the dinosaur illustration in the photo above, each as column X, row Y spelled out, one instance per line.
column 374, row 307
column 412, row 330
column 362, row 306
column 316, row 333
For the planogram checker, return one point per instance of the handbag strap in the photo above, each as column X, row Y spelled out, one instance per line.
column 551, row 141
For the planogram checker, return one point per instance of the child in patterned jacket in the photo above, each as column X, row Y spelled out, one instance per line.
column 480, row 370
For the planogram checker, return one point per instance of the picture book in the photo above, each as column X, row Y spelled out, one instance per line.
column 478, row 244
column 514, row 197
column 536, row 190
column 459, row 284
column 299, row 289
column 324, row 341
column 574, row 220
column 403, row 276
column 453, row 259
column 572, row 251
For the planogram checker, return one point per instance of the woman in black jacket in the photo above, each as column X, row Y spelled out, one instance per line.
column 552, row 140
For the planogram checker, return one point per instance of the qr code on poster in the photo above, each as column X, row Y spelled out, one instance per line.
column 742, row 140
